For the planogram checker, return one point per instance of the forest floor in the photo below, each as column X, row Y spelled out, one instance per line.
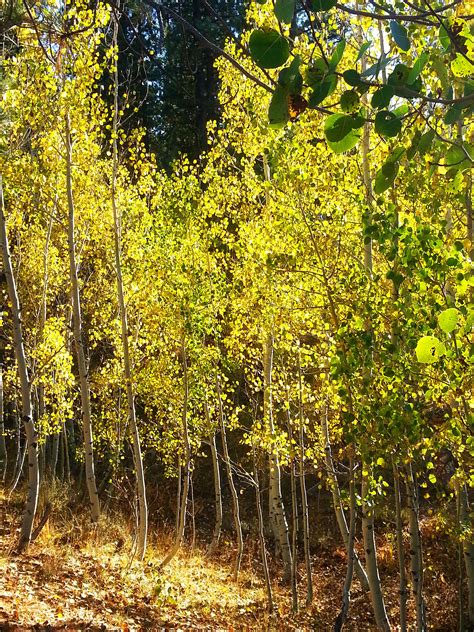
column 74, row 577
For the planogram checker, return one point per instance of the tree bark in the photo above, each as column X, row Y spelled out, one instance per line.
column 3, row 446
column 376, row 596
column 233, row 491
column 401, row 550
column 217, row 486
column 78, row 337
column 416, row 554
column 187, row 466
column 27, row 409
column 127, row 365
column 276, row 507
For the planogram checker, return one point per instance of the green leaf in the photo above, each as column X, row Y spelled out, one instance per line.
column 351, row 77
column 385, row 177
column 363, row 49
column 452, row 115
column 337, row 55
column 349, row 100
column 316, row 72
column 323, row 5
column 418, row 66
column 444, row 38
column 400, row 35
column 382, row 97
column 278, row 115
column 377, row 67
column 401, row 110
column 336, row 129
column 448, row 320
column 428, row 349
column 291, row 78
column 284, row 10
column 399, row 75
column 387, row 124
column 322, row 91
column 348, row 142
column 268, row 49
column 426, row 141
column 457, row 157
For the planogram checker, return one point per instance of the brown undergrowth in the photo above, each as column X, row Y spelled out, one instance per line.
column 76, row 577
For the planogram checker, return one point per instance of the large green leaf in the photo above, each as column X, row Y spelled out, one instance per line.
column 385, row 177
column 429, row 349
column 278, row 115
column 291, row 78
column 340, row 133
column 322, row 91
column 382, row 97
column 351, row 77
column 284, row 10
column 337, row 128
column 448, row 320
column 363, row 49
column 387, row 124
column 400, row 35
column 418, row 66
column 444, row 38
column 337, row 55
column 268, row 49
column 373, row 71
column 323, row 5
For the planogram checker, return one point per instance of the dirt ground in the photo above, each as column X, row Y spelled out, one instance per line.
column 76, row 578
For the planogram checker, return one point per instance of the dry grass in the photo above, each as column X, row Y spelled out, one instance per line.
column 78, row 577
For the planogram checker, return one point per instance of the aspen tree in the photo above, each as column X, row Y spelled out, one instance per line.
column 78, row 335
column 26, row 407
column 127, row 365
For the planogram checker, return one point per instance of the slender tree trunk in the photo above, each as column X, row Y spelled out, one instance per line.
column 178, row 496
column 217, row 486
column 373, row 576
column 294, row 515
column 187, row 467
column 67, row 465
column 277, row 510
column 468, row 550
column 3, row 446
column 54, row 454
column 337, row 502
column 27, row 410
column 346, row 592
column 401, row 550
column 127, row 365
column 261, row 536
column 42, row 321
column 19, row 468
column 304, row 495
column 78, row 338
column 230, row 479
column 416, row 554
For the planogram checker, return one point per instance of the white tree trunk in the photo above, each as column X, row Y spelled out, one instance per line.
column 401, row 550
column 416, row 555
column 230, row 479
column 127, row 366
column 276, row 507
column 27, row 411
column 78, row 338
column 3, row 446
column 217, row 485
column 337, row 502
column 181, row 523
column 376, row 596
